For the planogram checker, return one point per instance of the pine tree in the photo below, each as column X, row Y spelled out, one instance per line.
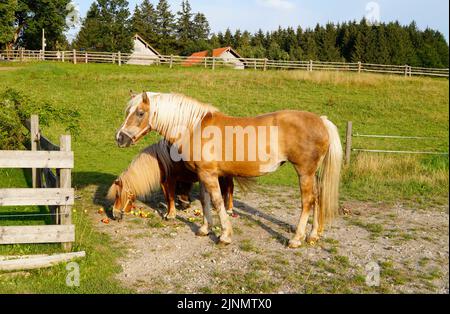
column 143, row 22
column 201, row 27
column 165, row 27
column 185, row 27
column 106, row 27
column 228, row 39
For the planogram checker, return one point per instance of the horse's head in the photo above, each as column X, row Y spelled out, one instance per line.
column 137, row 121
column 123, row 199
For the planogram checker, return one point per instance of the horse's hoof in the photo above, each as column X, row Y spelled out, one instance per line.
column 230, row 212
column 169, row 217
column 202, row 232
column 293, row 244
column 312, row 240
column 225, row 240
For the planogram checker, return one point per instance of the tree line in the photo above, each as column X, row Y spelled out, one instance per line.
column 109, row 26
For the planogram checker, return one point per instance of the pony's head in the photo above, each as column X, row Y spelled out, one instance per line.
column 137, row 122
column 123, row 199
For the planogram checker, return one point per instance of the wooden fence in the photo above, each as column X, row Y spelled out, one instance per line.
column 349, row 142
column 214, row 62
column 48, row 189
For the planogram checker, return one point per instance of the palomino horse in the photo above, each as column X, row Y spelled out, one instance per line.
column 202, row 137
column 152, row 168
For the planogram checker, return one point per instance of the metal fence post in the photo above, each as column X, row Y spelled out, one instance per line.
column 348, row 142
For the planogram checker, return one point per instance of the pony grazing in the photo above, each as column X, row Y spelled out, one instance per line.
column 153, row 168
column 213, row 144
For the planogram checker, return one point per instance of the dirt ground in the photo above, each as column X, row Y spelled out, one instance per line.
column 408, row 248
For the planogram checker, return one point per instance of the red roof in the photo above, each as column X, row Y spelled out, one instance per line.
column 196, row 57
column 219, row 51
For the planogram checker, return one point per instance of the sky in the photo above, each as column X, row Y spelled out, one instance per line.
column 252, row 15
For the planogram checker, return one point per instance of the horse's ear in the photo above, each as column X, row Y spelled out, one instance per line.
column 118, row 182
column 145, row 99
column 132, row 94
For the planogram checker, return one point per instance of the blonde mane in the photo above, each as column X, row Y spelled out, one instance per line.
column 143, row 175
column 171, row 114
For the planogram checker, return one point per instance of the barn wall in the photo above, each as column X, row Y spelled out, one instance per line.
column 140, row 50
column 230, row 58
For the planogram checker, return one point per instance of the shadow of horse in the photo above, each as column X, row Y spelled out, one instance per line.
column 103, row 181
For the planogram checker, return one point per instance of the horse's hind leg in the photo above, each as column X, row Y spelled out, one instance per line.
column 315, row 232
column 307, row 192
column 205, row 200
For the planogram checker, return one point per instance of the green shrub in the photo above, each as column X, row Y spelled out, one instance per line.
column 15, row 108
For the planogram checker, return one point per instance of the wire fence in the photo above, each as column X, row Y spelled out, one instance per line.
column 349, row 144
column 119, row 58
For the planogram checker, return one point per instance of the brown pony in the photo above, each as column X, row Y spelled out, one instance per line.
column 213, row 144
column 153, row 168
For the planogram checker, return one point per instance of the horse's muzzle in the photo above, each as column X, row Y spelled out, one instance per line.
column 123, row 140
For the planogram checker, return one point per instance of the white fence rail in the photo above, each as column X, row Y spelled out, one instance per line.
column 213, row 62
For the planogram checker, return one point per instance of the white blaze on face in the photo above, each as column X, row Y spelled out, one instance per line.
column 131, row 111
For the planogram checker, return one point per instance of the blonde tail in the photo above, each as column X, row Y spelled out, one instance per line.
column 329, row 176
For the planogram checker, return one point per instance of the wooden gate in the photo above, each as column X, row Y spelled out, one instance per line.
column 54, row 191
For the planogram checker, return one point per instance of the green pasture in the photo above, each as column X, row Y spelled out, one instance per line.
column 377, row 104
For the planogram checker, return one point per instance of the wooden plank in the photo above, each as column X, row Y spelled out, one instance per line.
column 34, row 140
column 35, row 197
column 36, row 159
column 348, row 142
column 37, row 234
column 39, row 261
column 65, row 181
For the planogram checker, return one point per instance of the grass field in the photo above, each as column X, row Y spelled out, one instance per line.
column 376, row 104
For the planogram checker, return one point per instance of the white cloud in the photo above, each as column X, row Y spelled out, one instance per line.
column 277, row 4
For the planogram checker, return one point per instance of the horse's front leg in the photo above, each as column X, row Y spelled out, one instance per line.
column 211, row 183
column 205, row 200
column 169, row 193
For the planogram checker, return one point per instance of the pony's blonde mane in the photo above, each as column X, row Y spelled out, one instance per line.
column 171, row 114
column 143, row 175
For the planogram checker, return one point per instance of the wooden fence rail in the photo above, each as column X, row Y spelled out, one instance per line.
column 349, row 142
column 213, row 62
column 54, row 191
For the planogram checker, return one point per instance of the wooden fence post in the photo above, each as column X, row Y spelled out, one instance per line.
column 310, row 65
column 406, row 70
column 119, row 56
column 254, row 64
column 214, row 63
column 206, row 62
column 63, row 56
column 21, row 54
column 348, row 142
column 171, row 61
column 34, row 134
column 74, row 52
column 65, row 182
column 85, row 57
column 359, row 66
column 265, row 64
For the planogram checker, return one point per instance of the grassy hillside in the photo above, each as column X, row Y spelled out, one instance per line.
column 376, row 104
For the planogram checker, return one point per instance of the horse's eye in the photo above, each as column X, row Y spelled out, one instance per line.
column 140, row 114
